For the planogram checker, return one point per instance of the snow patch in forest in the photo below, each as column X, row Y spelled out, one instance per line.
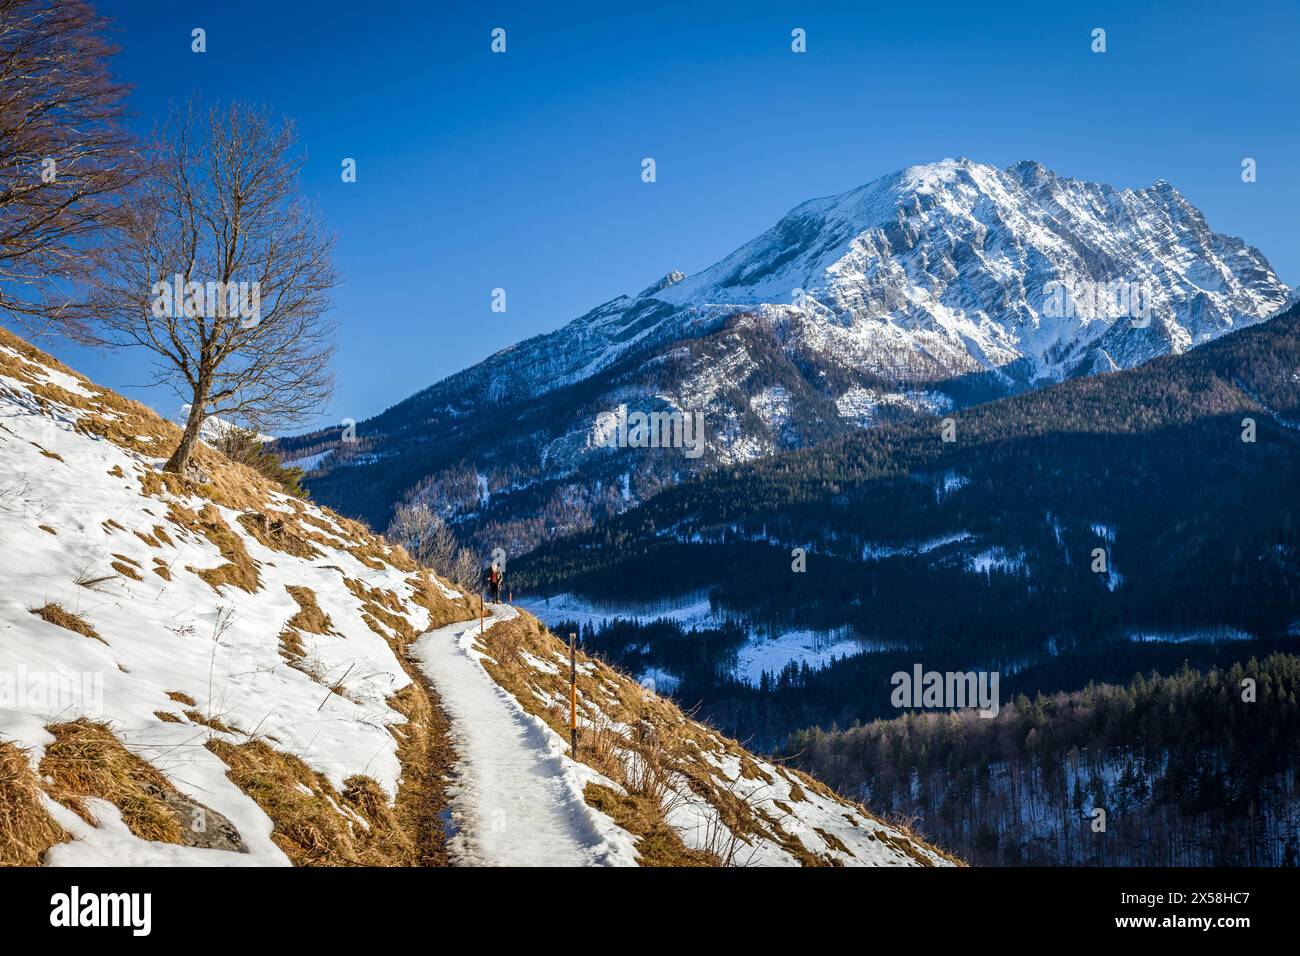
column 877, row 552
column 948, row 483
column 1209, row 635
column 995, row 559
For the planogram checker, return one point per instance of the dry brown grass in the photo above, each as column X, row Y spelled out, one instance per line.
column 126, row 570
column 89, row 581
column 240, row 570
column 57, row 614
column 442, row 610
column 658, row 844
column 832, row 840
column 279, row 533
column 428, row 759
column 291, row 647
column 310, row 617
column 26, row 828
column 303, row 532
column 210, row 721
column 321, row 827
column 126, row 423
column 379, row 606
column 86, row 760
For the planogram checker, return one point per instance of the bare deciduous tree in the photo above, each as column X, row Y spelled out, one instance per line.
column 428, row 540
column 64, row 157
column 222, row 270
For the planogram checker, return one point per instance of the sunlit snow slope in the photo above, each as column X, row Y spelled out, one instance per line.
column 222, row 674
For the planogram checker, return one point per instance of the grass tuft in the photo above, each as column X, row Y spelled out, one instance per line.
column 55, row 613
column 315, row 825
column 87, row 760
column 26, row 828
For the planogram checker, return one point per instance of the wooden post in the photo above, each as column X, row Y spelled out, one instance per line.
column 573, row 695
column 480, row 614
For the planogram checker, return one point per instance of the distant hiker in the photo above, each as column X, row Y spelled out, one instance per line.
column 494, row 578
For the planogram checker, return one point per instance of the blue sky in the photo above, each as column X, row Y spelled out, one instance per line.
column 522, row 170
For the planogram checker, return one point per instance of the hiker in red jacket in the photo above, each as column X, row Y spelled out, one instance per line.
column 494, row 583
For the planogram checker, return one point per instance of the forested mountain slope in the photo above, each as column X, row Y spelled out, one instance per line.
column 1081, row 531
column 1188, row 769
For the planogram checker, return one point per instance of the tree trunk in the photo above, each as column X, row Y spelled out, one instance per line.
column 181, row 456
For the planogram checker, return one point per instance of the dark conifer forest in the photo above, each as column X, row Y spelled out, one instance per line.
column 1184, row 770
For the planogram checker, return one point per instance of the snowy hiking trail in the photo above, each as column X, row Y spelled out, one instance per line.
column 74, row 502
column 517, row 800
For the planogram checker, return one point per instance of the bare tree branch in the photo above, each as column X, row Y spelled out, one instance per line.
column 222, row 270
column 65, row 159
column 428, row 540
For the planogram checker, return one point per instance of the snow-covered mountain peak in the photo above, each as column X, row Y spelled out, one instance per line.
column 933, row 287
column 929, row 177
column 936, row 272
column 1030, row 172
column 957, row 260
column 671, row 279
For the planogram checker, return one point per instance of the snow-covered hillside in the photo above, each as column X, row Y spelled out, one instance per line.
column 650, row 784
column 221, row 674
column 215, row 631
